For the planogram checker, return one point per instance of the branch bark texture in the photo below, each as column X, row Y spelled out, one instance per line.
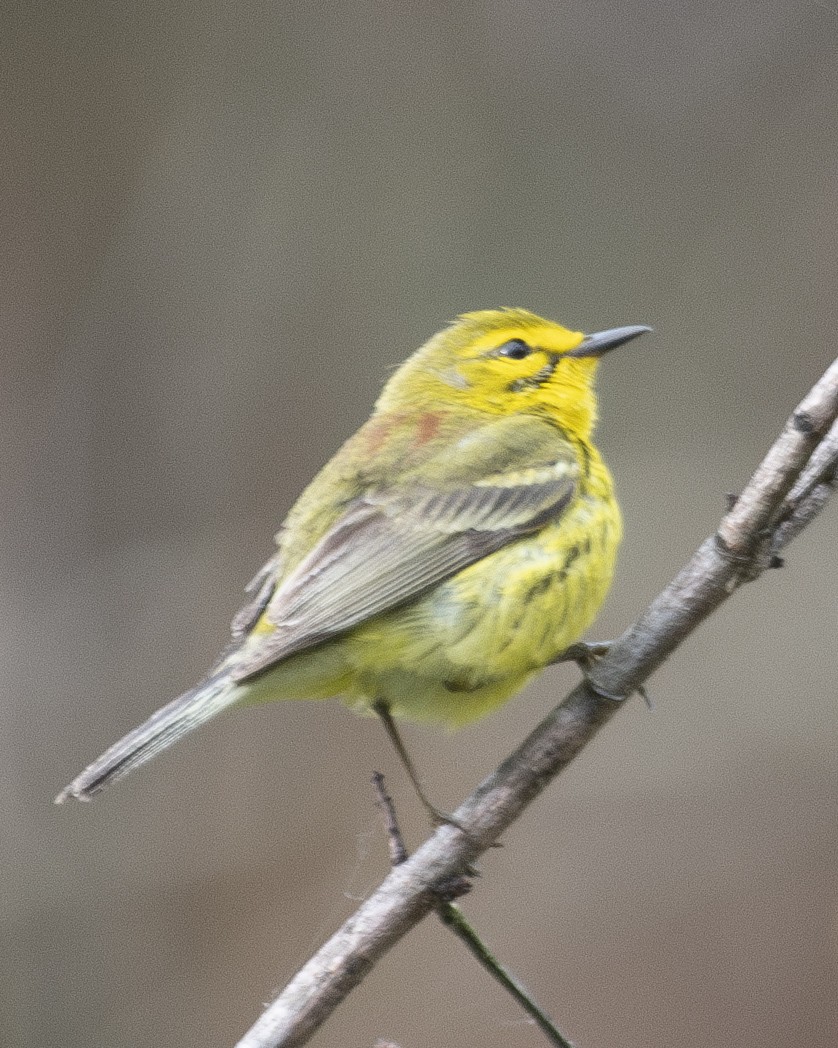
column 786, row 492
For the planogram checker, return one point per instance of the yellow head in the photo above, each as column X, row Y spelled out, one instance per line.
column 506, row 362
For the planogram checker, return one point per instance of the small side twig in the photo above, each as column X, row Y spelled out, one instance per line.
column 395, row 841
column 809, row 494
column 452, row 917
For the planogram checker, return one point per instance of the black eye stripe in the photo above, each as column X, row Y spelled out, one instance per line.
column 515, row 349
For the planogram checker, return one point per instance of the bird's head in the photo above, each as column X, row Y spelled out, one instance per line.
column 506, row 362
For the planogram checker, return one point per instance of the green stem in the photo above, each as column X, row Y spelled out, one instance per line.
column 452, row 917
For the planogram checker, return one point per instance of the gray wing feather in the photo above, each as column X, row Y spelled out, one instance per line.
column 260, row 589
column 391, row 547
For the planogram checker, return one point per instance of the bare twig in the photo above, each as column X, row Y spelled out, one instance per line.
column 395, row 840
column 781, row 497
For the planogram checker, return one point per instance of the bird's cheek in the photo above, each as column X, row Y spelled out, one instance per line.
column 454, row 378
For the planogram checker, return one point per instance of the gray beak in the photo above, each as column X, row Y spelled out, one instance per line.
column 604, row 341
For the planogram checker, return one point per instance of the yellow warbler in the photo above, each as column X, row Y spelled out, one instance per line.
column 459, row 542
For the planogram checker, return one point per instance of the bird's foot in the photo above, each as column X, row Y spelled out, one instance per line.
column 586, row 656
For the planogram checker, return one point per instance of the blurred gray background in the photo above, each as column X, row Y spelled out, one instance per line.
column 223, row 225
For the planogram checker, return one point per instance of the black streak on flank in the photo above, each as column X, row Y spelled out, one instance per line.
column 586, row 457
column 550, row 580
column 573, row 553
column 456, row 686
column 539, row 587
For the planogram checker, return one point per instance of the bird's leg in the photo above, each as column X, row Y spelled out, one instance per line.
column 438, row 817
column 584, row 655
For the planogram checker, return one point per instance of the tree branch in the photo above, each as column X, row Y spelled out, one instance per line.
column 786, row 492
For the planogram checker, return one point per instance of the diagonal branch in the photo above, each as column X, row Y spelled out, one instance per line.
column 791, row 485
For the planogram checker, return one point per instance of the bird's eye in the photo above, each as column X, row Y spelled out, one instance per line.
column 515, row 349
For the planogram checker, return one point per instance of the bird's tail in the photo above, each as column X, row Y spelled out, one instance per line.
column 162, row 729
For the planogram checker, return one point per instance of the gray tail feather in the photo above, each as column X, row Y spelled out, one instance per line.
column 161, row 729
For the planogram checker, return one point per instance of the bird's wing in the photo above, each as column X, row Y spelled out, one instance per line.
column 259, row 591
column 393, row 544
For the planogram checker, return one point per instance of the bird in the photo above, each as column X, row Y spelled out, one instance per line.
column 459, row 542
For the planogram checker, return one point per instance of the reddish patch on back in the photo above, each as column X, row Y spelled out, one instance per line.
column 376, row 433
column 428, row 427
